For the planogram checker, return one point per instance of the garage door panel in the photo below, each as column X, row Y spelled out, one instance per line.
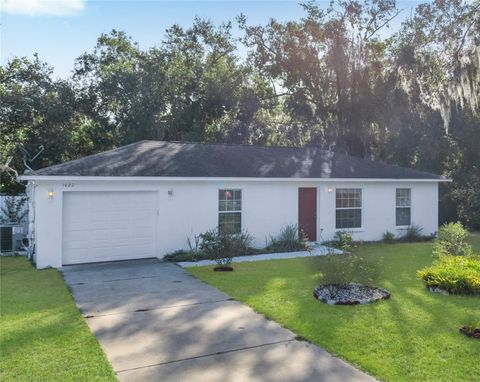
column 80, row 233
column 141, row 215
column 116, row 215
column 79, row 253
column 105, row 226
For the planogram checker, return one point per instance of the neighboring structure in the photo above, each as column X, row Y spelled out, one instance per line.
column 13, row 223
column 145, row 199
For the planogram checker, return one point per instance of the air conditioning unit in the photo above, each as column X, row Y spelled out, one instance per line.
column 10, row 237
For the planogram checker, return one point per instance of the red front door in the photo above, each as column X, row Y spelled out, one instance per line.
column 307, row 212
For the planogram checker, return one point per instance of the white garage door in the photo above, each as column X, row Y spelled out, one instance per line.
column 106, row 226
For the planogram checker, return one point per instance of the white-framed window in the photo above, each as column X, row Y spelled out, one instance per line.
column 229, row 211
column 348, row 208
column 403, row 206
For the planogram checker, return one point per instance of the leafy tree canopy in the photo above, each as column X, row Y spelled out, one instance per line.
column 335, row 78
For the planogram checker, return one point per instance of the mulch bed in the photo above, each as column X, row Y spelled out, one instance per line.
column 224, row 268
column 349, row 294
column 470, row 332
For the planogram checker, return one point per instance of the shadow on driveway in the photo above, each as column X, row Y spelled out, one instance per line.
column 156, row 322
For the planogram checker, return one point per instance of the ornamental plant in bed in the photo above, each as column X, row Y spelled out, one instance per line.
column 208, row 246
column 223, row 247
column 471, row 330
column 347, row 279
column 453, row 274
column 456, row 268
column 452, row 241
column 289, row 239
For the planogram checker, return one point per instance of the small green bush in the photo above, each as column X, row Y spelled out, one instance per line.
column 340, row 269
column 388, row 237
column 183, row 255
column 472, row 329
column 216, row 247
column 223, row 247
column 287, row 240
column 452, row 240
column 455, row 274
column 212, row 245
column 343, row 240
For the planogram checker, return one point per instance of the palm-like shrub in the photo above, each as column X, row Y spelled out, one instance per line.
column 413, row 233
column 289, row 239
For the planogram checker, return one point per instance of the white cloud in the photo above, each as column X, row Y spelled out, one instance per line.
column 43, row 7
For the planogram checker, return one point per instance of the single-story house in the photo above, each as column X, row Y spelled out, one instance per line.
column 144, row 199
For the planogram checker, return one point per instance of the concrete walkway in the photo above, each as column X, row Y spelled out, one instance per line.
column 156, row 322
column 318, row 250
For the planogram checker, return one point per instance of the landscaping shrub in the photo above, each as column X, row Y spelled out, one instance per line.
column 215, row 247
column 388, row 237
column 212, row 245
column 242, row 243
column 472, row 329
column 454, row 274
column 413, row 233
column 452, row 240
column 183, row 255
column 287, row 240
column 194, row 244
column 223, row 247
column 346, row 268
column 342, row 240
column 192, row 254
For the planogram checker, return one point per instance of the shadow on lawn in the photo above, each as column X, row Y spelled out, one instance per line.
column 410, row 335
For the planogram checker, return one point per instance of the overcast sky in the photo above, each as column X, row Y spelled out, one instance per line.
column 61, row 30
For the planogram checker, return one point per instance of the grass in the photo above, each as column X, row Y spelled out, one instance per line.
column 43, row 337
column 414, row 336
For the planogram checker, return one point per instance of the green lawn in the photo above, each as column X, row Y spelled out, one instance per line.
column 474, row 239
column 43, row 337
column 411, row 337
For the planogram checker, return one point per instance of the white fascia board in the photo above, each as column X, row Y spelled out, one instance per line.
column 213, row 179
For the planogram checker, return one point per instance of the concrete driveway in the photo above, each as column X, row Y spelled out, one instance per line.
column 156, row 322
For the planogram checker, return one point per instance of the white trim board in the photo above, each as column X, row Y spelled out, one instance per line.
column 215, row 179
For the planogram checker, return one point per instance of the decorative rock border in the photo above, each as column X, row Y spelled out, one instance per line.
column 435, row 289
column 318, row 250
column 349, row 294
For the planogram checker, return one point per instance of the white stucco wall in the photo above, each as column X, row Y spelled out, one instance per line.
column 378, row 208
column 267, row 206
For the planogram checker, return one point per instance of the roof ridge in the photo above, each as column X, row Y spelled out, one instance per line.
column 238, row 145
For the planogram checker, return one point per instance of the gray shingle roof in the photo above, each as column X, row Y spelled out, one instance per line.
column 179, row 159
